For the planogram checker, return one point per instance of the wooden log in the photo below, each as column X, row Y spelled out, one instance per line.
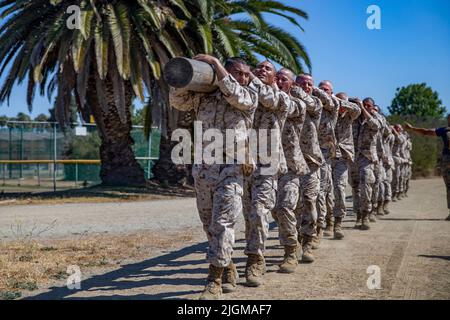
column 190, row 74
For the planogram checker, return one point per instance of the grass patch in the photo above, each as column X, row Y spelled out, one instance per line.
column 27, row 264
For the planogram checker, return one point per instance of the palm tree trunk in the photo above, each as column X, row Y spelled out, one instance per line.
column 118, row 163
column 169, row 119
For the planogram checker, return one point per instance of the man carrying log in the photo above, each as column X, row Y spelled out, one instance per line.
column 219, row 187
column 274, row 106
column 344, row 158
column 306, row 210
column 367, row 159
column 289, row 181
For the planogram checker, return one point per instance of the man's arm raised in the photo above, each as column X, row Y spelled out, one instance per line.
column 421, row 131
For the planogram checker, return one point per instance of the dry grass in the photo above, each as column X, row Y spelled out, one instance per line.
column 27, row 264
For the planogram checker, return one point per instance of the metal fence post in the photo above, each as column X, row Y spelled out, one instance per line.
column 38, row 175
column 76, row 173
column 10, row 152
column 149, row 154
column 54, row 157
column 21, row 152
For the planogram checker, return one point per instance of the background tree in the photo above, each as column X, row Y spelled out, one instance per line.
column 22, row 117
column 41, row 117
column 419, row 100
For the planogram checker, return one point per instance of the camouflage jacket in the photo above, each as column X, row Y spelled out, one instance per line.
column 344, row 130
column 328, row 119
column 291, row 137
column 274, row 107
column 309, row 142
column 398, row 150
column 232, row 106
column 389, row 145
column 382, row 133
column 367, row 139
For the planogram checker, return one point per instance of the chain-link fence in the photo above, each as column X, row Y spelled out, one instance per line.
column 41, row 154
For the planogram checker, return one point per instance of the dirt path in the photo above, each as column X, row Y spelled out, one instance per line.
column 411, row 247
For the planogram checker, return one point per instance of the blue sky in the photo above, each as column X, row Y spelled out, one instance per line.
column 413, row 46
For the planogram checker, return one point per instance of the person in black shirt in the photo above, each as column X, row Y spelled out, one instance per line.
column 444, row 134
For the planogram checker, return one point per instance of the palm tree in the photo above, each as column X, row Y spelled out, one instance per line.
column 118, row 51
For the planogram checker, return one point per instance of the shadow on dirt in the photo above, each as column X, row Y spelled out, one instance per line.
column 127, row 277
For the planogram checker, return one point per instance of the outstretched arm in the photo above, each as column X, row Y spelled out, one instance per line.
column 421, row 131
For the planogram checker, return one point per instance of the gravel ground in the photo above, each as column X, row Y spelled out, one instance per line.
column 411, row 247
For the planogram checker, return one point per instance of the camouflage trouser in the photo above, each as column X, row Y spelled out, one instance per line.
column 445, row 169
column 405, row 176
column 306, row 211
column 378, row 188
column 366, row 184
column 401, row 179
column 354, row 183
column 388, row 184
column 287, row 199
column 396, row 172
column 408, row 175
column 219, row 191
column 325, row 199
column 259, row 201
column 340, row 179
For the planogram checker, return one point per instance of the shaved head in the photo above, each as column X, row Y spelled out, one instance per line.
column 306, row 82
column 342, row 95
column 304, row 77
column 266, row 72
column 287, row 72
column 326, row 86
column 285, row 79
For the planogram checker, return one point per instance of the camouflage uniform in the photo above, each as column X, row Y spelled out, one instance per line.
column 289, row 183
column 354, row 168
column 367, row 159
column 380, row 172
column 327, row 142
column 388, row 164
column 306, row 210
column 408, row 162
column 261, row 188
column 219, row 187
column 399, row 143
column 345, row 154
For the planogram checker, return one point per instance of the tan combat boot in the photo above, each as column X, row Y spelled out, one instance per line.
column 394, row 197
column 365, row 222
column 386, row 207
column 317, row 239
column 338, row 234
column 380, row 209
column 229, row 278
column 358, row 221
column 254, row 270
column 307, row 255
column 372, row 215
column 213, row 288
column 290, row 261
column 328, row 232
